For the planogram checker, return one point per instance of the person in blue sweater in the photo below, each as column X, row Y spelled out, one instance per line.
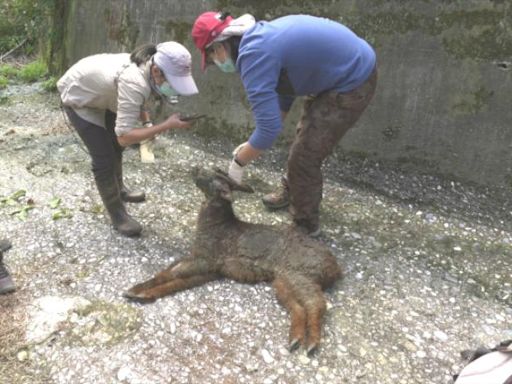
column 278, row 61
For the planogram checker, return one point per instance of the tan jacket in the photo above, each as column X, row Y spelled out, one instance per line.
column 107, row 81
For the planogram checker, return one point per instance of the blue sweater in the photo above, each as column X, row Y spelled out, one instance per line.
column 317, row 54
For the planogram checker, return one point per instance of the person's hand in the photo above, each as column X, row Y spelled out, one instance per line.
column 174, row 121
column 237, row 149
column 236, row 171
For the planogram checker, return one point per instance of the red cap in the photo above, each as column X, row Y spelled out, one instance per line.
column 207, row 27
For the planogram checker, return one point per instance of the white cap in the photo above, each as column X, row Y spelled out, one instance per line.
column 175, row 61
column 237, row 27
column 492, row 368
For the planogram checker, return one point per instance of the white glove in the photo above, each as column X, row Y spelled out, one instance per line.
column 235, row 171
column 237, row 149
column 146, row 151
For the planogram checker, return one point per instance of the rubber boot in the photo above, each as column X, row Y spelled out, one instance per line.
column 6, row 282
column 127, row 195
column 278, row 199
column 111, row 196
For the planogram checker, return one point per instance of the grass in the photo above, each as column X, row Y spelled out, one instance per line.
column 8, row 71
column 28, row 73
column 34, row 71
column 50, row 85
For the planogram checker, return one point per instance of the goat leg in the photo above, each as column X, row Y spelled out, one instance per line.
column 151, row 294
column 180, row 275
column 286, row 297
column 314, row 302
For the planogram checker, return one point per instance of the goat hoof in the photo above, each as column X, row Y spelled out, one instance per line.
column 312, row 349
column 294, row 344
column 138, row 299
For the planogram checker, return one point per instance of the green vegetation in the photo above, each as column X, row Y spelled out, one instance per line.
column 8, row 71
column 24, row 23
column 50, row 85
column 25, row 28
column 33, row 71
column 29, row 73
column 3, row 82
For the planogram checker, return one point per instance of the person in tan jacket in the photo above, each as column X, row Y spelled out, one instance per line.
column 104, row 96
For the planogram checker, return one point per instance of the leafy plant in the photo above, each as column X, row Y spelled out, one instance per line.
column 14, row 198
column 22, row 212
column 8, row 71
column 24, row 22
column 55, row 202
column 58, row 211
column 50, row 85
column 3, row 82
column 62, row 213
column 97, row 209
column 33, row 71
column 22, row 207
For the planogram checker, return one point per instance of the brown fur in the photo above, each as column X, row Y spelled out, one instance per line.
column 298, row 266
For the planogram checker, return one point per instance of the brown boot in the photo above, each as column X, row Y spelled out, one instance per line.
column 278, row 199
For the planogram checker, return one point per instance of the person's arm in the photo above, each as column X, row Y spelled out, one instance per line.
column 137, row 135
column 145, row 117
column 245, row 153
column 259, row 71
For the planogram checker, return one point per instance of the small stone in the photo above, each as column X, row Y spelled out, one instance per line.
column 440, row 335
column 251, row 367
column 124, row 374
column 22, row 355
column 410, row 346
column 267, row 357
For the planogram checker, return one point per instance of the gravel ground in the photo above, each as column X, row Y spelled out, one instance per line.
column 427, row 261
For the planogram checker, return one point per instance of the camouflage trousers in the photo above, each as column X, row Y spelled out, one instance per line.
column 325, row 119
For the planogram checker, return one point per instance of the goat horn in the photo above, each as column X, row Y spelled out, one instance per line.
column 232, row 183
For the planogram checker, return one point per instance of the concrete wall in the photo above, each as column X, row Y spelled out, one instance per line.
column 444, row 98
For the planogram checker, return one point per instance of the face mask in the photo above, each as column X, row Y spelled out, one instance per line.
column 227, row 66
column 166, row 90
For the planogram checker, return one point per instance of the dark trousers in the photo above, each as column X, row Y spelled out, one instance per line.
column 325, row 120
column 101, row 143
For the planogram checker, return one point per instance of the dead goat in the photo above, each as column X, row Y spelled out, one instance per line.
column 298, row 267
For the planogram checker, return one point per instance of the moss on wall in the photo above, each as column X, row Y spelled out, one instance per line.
column 121, row 26
column 484, row 32
column 55, row 50
column 471, row 103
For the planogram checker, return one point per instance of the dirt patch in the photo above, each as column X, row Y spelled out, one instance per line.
column 15, row 363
